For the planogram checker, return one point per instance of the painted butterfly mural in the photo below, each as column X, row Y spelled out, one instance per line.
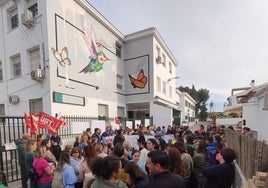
column 62, row 57
column 139, row 82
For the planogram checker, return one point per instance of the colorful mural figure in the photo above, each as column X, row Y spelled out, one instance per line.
column 96, row 59
column 139, row 82
column 62, row 57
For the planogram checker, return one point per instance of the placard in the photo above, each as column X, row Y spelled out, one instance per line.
column 97, row 124
column 10, row 146
column 79, row 127
column 129, row 124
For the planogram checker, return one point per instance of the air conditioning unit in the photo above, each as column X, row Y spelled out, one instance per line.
column 27, row 18
column 158, row 60
column 38, row 75
column 14, row 99
column 265, row 106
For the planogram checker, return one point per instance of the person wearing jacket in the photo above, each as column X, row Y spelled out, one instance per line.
column 159, row 175
column 21, row 146
column 223, row 174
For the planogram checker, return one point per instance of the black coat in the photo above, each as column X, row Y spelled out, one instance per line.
column 166, row 180
column 220, row 176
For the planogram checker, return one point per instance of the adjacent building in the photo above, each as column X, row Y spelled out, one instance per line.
column 187, row 108
column 252, row 104
column 64, row 57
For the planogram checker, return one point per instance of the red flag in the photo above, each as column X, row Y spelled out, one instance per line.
column 34, row 123
column 64, row 123
column 117, row 121
column 49, row 122
column 27, row 121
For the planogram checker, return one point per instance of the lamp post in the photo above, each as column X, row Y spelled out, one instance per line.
column 173, row 78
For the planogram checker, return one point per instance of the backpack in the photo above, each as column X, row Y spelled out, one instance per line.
column 57, row 181
column 33, row 174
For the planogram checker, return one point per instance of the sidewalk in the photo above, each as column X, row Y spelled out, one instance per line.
column 14, row 184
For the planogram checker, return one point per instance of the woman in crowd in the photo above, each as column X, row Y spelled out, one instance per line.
column 49, row 155
column 175, row 162
column 152, row 144
column 43, row 169
column 119, row 137
column 136, row 159
column 128, row 150
column 136, row 176
column 39, row 139
column 99, row 150
column 106, row 171
column 201, row 161
column 76, row 161
column 65, row 172
column 85, row 173
column 223, row 174
column 29, row 157
column 56, row 145
column 185, row 157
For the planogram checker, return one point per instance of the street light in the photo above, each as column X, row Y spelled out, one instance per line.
column 173, row 78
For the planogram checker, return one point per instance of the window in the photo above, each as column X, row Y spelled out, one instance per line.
column 36, row 105
column 118, row 50
column 34, row 9
column 158, row 80
column 14, row 19
column 103, row 111
column 158, row 51
column 170, row 91
column 16, row 64
column 120, row 111
column 34, row 57
column 119, row 82
column 2, row 109
column 164, row 88
column 1, row 71
column 164, row 60
column 170, row 67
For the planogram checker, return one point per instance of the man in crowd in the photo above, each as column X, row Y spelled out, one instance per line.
column 97, row 135
column 21, row 146
column 160, row 176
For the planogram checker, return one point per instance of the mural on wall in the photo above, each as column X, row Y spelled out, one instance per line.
column 96, row 58
column 80, row 55
column 138, row 75
column 62, row 57
column 139, row 82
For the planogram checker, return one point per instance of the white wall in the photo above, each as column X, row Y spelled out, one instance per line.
column 256, row 118
column 162, row 116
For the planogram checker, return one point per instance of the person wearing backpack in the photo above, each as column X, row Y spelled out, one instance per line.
column 64, row 176
column 43, row 169
column 29, row 157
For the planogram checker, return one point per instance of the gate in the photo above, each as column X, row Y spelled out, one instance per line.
column 11, row 128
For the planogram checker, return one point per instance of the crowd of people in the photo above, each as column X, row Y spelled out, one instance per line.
column 196, row 159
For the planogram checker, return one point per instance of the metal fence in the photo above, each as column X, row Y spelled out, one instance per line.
column 251, row 153
column 12, row 128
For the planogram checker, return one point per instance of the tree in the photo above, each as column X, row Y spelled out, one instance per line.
column 201, row 97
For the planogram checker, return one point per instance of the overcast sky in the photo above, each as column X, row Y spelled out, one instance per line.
column 219, row 44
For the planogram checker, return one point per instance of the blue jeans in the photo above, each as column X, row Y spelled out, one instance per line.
column 45, row 185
